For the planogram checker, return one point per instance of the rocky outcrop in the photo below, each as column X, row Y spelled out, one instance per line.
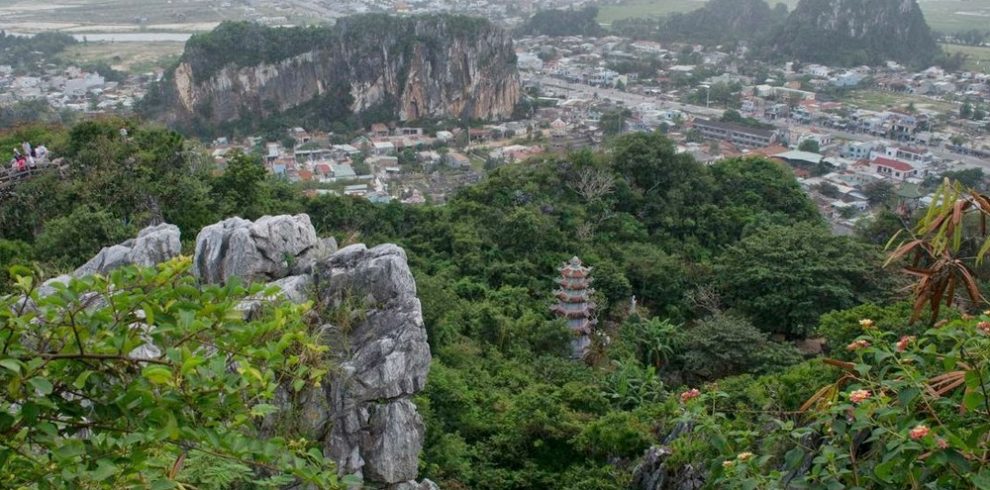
column 268, row 249
column 854, row 32
column 364, row 414
column 153, row 245
column 384, row 360
column 408, row 68
column 653, row 472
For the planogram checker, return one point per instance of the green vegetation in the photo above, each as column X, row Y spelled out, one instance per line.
column 24, row 53
column 854, row 32
column 942, row 15
column 717, row 22
column 977, row 58
column 728, row 263
column 563, row 23
column 878, row 100
column 81, row 395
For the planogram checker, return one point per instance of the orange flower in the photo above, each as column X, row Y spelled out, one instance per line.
column 903, row 343
column 728, row 463
column 918, row 432
column 859, row 396
column 942, row 443
column 857, row 345
column 746, row 456
column 690, row 394
column 866, row 323
column 984, row 327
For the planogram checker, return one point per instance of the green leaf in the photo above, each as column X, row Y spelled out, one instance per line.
column 972, row 400
column 162, row 485
column 11, row 364
column 42, row 385
column 907, row 395
column 263, row 409
column 884, row 470
column 158, row 375
column 104, row 469
column 191, row 363
column 981, row 480
column 80, row 381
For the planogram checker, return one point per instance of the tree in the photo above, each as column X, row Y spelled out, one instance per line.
column 724, row 345
column 242, row 186
column 784, row 277
column 159, row 383
column 966, row 110
column 879, row 192
column 614, row 122
column 81, row 233
column 828, row 190
column 809, row 145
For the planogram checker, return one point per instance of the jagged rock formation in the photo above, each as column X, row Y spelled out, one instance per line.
column 396, row 67
column 153, row 245
column 850, row 32
column 376, row 430
column 268, row 249
column 653, row 473
column 364, row 414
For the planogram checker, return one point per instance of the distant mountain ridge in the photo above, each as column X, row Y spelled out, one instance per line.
column 853, row 32
column 379, row 66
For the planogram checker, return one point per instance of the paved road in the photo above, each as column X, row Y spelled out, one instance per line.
column 627, row 98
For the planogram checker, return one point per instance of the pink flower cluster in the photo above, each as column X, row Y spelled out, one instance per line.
column 919, row 432
column 690, row 394
column 857, row 345
column 902, row 344
column 984, row 327
column 859, row 396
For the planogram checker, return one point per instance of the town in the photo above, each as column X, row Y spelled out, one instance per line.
column 853, row 136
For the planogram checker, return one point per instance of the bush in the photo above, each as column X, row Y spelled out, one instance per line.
column 725, row 345
column 66, row 240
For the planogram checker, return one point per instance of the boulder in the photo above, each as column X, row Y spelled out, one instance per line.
column 153, row 245
column 268, row 249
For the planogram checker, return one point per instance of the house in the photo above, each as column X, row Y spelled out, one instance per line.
column 458, row 160
column 445, row 136
column 740, row 135
column 382, row 147
column 910, row 154
column 343, row 171
column 893, row 168
column 379, row 130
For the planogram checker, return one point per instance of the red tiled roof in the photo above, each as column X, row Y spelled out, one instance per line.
column 894, row 164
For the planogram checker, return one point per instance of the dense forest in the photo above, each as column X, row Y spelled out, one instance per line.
column 732, row 270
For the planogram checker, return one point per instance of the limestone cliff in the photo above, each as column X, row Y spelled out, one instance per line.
column 850, row 32
column 396, row 67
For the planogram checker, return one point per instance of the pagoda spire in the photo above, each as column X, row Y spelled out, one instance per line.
column 574, row 303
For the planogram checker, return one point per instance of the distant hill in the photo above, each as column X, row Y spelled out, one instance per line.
column 559, row 23
column 367, row 68
column 723, row 21
column 854, row 32
column 718, row 22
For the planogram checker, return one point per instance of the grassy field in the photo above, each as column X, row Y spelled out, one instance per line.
column 127, row 57
column 977, row 58
column 876, row 100
column 942, row 15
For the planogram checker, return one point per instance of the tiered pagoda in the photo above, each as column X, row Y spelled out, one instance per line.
column 574, row 303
